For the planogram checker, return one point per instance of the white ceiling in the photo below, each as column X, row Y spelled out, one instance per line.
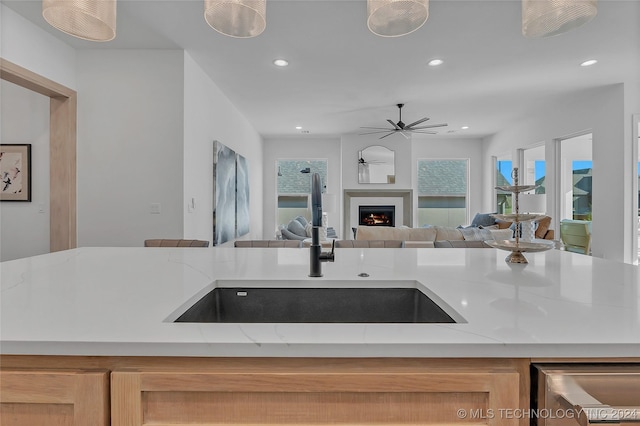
column 342, row 77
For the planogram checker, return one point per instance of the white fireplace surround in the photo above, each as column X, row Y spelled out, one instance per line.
column 402, row 199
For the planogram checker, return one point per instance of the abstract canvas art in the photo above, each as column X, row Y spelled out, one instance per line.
column 15, row 172
column 242, row 196
column 224, row 194
column 231, row 217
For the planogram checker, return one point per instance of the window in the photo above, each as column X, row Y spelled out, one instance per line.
column 294, row 187
column 577, row 177
column 582, row 194
column 534, row 168
column 504, row 167
column 442, row 192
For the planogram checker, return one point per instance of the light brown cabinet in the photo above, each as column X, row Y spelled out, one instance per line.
column 54, row 398
column 378, row 392
column 251, row 391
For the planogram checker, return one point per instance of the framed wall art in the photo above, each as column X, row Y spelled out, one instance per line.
column 243, row 216
column 224, row 193
column 15, row 172
column 230, row 194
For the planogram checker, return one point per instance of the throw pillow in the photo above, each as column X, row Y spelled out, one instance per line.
column 489, row 227
column 484, row 219
column 303, row 220
column 503, row 224
column 476, row 234
column 288, row 235
column 543, row 227
column 513, row 228
column 297, row 228
column 308, row 229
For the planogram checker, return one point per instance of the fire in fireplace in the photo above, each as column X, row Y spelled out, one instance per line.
column 377, row 215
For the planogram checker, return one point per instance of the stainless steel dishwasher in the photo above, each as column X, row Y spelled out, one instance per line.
column 585, row 394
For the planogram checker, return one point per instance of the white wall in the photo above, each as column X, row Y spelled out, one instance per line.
column 453, row 148
column 24, row 229
column 209, row 116
column 606, row 112
column 130, row 146
column 25, row 119
column 303, row 148
column 29, row 46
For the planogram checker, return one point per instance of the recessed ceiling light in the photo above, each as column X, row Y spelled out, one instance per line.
column 280, row 62
column 589, row 63
column 464, row 127
column 435, row 62
column 298, row 127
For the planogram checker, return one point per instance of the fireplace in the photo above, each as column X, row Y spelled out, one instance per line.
column 377, row 215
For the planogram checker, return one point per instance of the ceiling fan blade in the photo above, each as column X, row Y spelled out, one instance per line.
column 422, row 120
column 426, row 132
column 430, row 126
column 378, row 131
column 395, row 126
column 379, row 128
column 388, row 134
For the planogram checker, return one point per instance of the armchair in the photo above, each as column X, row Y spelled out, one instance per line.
column 576, row 235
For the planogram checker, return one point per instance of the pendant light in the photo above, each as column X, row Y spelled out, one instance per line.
column 544, row 18
column 93, row 20
column 236, row 18
column 394, row 18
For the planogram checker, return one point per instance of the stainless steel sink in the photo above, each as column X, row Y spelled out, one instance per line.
column 336, row 304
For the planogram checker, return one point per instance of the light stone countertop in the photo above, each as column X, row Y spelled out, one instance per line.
column 119, row 301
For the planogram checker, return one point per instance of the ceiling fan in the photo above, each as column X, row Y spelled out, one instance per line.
column 362, row 161
column 403, row 129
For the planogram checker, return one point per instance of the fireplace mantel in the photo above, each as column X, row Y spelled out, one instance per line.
column 405, row 194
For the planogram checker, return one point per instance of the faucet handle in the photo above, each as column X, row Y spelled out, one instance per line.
column 329, row 256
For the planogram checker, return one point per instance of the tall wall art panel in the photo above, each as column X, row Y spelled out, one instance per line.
column 231, row 215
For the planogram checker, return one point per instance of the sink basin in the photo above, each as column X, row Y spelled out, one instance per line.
column 315, row 305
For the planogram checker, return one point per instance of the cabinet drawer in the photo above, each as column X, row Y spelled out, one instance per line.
column 56, row 397
column 381, row 398
column 571, row 395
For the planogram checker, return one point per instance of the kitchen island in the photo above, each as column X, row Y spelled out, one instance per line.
column 109, row 311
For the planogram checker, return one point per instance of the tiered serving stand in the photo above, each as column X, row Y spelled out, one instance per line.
column 516, row 246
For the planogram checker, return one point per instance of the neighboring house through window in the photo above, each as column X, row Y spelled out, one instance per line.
column 442, row 192
column 294, row 187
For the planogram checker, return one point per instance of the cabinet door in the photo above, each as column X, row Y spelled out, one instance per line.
column 60, row 398
column 380, row 398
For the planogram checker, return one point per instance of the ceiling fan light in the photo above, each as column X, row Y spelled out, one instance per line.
column 93, row 20
column 236, row 18
column 544, row 18
column 394, row 18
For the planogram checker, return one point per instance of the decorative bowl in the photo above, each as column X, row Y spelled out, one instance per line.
column 518, row 247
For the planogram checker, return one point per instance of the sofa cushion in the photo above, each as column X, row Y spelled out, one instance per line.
column 392, row 233
column 445, row 233
column 419, row 244
column 483, row 219
column 461, row 244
